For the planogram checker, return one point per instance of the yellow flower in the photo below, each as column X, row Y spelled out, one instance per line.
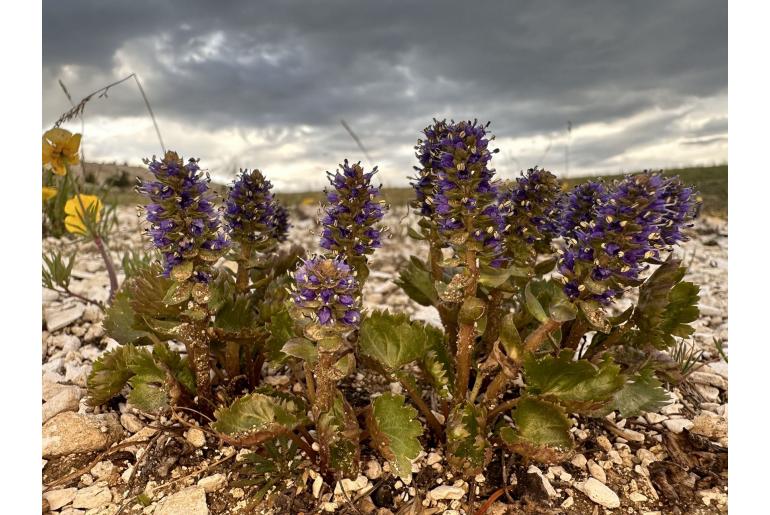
column 74, row 219
column 49, row 193
column 60, row 148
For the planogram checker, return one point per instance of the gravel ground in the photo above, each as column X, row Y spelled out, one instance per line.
column 673, row 462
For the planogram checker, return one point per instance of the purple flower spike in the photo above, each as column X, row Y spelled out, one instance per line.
column 351, row 213
column 613, row 234
column 326, row 290
column 252, row 214
column 183, row 221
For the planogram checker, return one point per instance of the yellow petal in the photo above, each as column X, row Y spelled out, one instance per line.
column 58, row 136
column 49, row 193
column 72, row 145
column 58, row 168
column 75, row 225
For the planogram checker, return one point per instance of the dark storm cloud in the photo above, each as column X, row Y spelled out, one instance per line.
column 389, row 67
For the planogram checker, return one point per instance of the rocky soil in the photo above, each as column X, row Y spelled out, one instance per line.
column 114, row 460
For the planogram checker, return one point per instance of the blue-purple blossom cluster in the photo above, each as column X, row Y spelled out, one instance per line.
column 352, row 211
column 614, row 233
column 465, row 203
column 427, row 152
column 281, row 223
column 182, row 216
column 326, row 290
column 251, row 211
column 530, row 208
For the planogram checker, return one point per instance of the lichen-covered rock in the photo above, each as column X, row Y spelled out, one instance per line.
column 70, row 433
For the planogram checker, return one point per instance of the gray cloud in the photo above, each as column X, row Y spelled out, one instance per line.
column 276, row 77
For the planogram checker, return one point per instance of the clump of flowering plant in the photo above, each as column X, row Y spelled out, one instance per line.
column 523, row 275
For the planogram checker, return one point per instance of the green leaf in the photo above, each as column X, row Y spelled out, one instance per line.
column 394, row 340
column 542, row 430
column 178, row 293
column 417, row 283
column 257, row 417
column 147, row 289
column 510, row 337
column 467, row 446
column 301, row 348
column 414, row 234
column 545, row 266
column 580, row 386
column 471, row 310
column 339, row 435
column 281, row 329
column 394, row 429
column 109, row 374
column 495, row 277
column 437, row 364
column 643, row 393
column 160, row 378
column 237, row 316
column 545, row 299
column 666, row 307
column 121, row 322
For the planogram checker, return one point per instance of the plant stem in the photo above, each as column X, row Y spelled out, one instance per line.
column 309, row 383
column 538, row 336
column 242, row 276
column 501, row 408
column 467, row 332
column 495, row 388
column 109, row 264
column 576, row 332
column 196, row 341
column 494, row 319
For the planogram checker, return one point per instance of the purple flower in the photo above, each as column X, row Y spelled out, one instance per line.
column 252, row 214
column 351, row 212
column 183, row 221
column 530, row 208
column 465, row 194
column 429, row 156
column 612, row 234
column 325, row 289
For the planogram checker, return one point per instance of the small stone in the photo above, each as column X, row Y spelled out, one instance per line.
column 103, row 469
column 568, row 502
column 709, row 393
column 190, row 501
column 446, row 492
column 433, row 458
column 709, row 425
column 548, row 488
column 92, row 313
column 92, row 497
column 59, row 498
column 579, row 461
column 317, row 484
column 56, row 318
column 596, row 471
column 131, row 422
column 212, row 483
column 677, row 425
column 637, row 497
column 599, row 493
column 604, row 443
column 373, row 469
column 348, row 485
column 196, row 437
column 646, row 456
column 237, row 493
column 671, row 409
column 66, row 342
column 69, row 433
column 655, row 418
column 72, row 511
column 68, row 399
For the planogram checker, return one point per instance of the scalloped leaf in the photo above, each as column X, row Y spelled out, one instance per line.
column 257, row 417
column 666, row 307
column 417, row 283
column 642, row 393
column 281, row 329
column 301, row 348
column 495, row 277
column 394, row 429
column 580, row 386
column 467, row 446
column 160, row 378
column 109, row 374
column 393, row 340
column 542, row 430
column 121, row 322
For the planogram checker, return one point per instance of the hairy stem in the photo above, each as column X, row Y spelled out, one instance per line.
column 109, row 264
column 467, row 332
column 505, row 406
column 196, row 341
column 538, row 336
column 576, row 332
column 494, row 319
column 242, row 276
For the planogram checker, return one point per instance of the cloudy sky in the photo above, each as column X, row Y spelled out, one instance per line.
column 265, row 83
